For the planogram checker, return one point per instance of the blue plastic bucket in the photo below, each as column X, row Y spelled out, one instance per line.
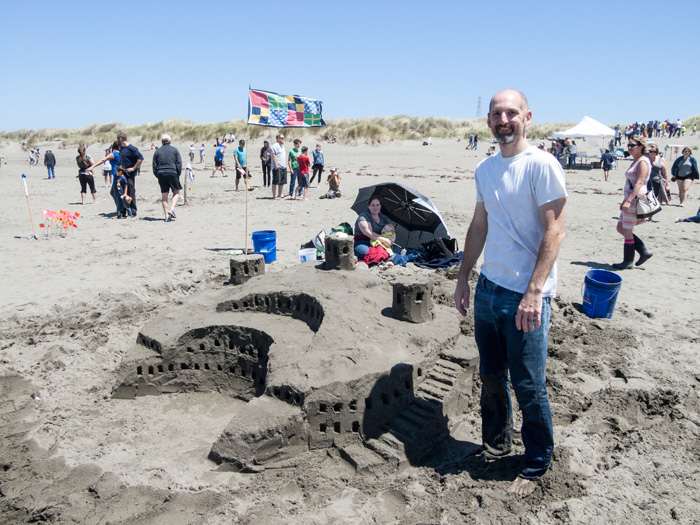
column 600, row 289
column 265, row 243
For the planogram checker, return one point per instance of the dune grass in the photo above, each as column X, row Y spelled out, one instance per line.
column 369, row 130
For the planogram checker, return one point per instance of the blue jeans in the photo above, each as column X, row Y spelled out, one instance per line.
column 293, row 180
column 503, row 349
column 361, row 249
column 52, row 174
column 572, row 160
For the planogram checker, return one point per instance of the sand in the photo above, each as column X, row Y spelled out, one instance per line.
column 624, row 391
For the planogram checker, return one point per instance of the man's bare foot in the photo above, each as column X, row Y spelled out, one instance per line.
column 522, row 487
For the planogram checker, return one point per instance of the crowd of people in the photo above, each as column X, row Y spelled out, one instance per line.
column 652, row 129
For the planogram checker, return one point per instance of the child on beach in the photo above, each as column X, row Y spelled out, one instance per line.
column 388, row 232
column 118, row 192
column 303, row 175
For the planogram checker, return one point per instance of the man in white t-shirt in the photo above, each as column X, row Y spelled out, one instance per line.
column 279, row 172
column 519, row 224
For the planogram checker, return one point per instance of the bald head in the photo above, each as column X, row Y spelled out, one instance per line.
column 510, row 95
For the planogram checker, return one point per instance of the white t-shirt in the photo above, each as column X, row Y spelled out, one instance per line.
column 279, row 153
column 512, row 190
column 573, row 149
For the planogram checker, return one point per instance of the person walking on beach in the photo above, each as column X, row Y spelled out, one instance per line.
column 318, row 166
column 130, row 160
column 219, row 160
column 636, row 181
column 519, row 223
column 167, row 167
column 607, row 160
column 265, row 159
column 279, row 172
column 240, row 158
column 684, row 171
column 475, row 144
column 50, row 163
column 201, row 153
column 192, row 152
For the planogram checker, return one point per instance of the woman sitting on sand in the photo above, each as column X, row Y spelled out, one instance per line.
column 333, row 181
column 636, row 181
column 368, row 227
column 684, row 171
column 85, row 175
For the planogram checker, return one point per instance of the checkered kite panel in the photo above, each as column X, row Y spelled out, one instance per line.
column 283, row 111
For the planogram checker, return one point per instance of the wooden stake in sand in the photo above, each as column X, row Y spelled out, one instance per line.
column 26, row 194
column 245, row 179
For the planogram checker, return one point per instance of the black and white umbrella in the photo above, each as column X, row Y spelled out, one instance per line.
column 416, row 218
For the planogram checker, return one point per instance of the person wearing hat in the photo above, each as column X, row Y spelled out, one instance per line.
column 167, row 166
column 333, row 181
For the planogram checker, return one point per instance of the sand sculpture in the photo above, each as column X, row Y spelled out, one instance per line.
column 375, row 372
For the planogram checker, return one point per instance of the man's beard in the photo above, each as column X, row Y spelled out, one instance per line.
column 506, row 139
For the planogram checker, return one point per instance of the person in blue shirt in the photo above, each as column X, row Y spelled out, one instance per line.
column 318, row 166
column 219, row 160
column 239, row 156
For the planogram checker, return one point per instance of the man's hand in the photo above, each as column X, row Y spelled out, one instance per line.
column 529, row 312
column 462, row 297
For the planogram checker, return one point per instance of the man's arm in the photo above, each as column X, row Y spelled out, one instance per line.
column 552, row 217
column 473, row 246
column 274, row 160
column 178, row 162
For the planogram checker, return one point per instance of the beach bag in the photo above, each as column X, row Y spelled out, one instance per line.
column 647, row 205
column 343, row 227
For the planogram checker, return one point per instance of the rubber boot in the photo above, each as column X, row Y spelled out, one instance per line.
column 628, row 263
column 644, row 253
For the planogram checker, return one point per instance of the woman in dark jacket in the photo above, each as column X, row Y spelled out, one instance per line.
column 684, row 172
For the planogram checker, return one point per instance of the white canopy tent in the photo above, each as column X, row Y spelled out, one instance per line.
column 588, row 127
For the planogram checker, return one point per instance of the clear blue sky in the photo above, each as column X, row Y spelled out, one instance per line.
column 71, row 63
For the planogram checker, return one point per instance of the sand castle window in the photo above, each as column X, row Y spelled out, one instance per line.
column 219, row 368
column 322, row 428
column 184, row 366
column 276, row 391
column 353, row 405
column 337, row 407
column 206, row 366
column 336, row 427
column 139, row 370
column 420, row 296
column 171, row 367
column 160, row 369
column 217, row 342
column 355, row 426
column 322, row 407
column 245, row 304
column 235, row 306
column 201, row 346
column 297, row 398
column 232, row 369
column 150, row 370
column 196, row 366
column 420, row 372
column 190, row 349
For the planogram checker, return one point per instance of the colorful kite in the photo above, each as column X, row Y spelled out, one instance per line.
column 283, row 111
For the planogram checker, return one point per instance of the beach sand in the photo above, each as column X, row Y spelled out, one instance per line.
column 624, row 391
